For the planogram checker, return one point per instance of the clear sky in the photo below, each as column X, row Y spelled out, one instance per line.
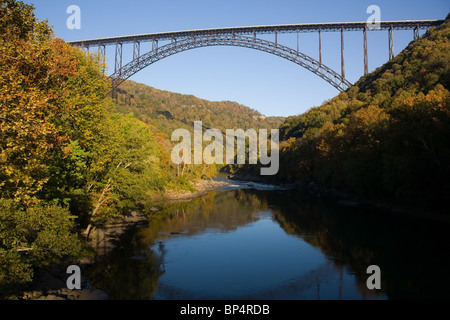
column 269, row 84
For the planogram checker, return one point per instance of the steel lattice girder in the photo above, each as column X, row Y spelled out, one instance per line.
column 253, row 30
column 299, row 58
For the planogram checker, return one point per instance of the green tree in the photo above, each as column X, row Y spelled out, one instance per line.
column 33, row 237
column 125, row 170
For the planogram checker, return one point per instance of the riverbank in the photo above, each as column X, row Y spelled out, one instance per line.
column 201, row 188
column 50, row 282
column 104, row 240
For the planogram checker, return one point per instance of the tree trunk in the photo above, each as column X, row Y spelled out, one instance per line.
column 103, row 198
column 100, row 202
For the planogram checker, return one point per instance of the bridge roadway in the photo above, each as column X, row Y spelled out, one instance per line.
column 254, row 30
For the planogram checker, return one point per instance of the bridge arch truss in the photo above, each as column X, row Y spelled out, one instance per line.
column 159, row 53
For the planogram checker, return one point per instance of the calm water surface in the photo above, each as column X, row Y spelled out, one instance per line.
column 257, row 242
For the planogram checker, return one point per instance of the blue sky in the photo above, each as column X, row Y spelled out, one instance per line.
column 269, row 84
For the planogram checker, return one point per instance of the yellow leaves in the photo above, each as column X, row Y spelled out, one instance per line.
column 49, row 92
column 323, row 147
column 8, row 171
column 367, row 117
column 420, row 105
column 438, row 97
column 289, row 144
column 410, row 101
column 339, row 130
column 34, row 95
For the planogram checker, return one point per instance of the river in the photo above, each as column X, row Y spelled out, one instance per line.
column 260, row 242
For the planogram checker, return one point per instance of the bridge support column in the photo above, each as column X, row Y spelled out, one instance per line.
column 298, row 42
column 342, row 54
column 276, row 38
column 102, row 50
column 391, row 43
column 155, row 45
column 136, row 50
column 102, row 55
column 320, row 46
column 118, row 62
column 416, row 33
column 366, row 53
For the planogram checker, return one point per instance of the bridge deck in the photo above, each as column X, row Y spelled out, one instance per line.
column 253, row 30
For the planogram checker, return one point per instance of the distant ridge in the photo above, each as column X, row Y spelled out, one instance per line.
column 168, row 111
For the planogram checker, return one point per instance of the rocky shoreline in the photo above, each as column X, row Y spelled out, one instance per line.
column 201, row 188
column 50, row 283
column 345, row 199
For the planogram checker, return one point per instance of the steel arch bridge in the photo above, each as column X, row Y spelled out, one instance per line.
column 246, row 37
column 170, row 49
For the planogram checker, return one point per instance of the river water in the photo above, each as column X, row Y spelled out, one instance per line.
column 254, row 241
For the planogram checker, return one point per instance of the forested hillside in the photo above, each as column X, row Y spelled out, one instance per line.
column 387, row 137
column 169, row 111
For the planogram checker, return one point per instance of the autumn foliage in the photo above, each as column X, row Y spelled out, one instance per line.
column 386, row 138
column 38, row 100
column 66, row 160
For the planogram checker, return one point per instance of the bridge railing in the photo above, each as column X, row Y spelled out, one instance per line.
column 256, row 30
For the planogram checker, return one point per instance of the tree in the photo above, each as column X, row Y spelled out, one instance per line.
column 42, row 102
column 33, row 237
column 125, row 170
